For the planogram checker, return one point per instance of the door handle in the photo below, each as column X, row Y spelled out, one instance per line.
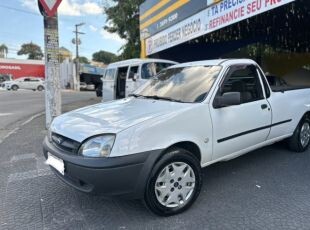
column 264, row 106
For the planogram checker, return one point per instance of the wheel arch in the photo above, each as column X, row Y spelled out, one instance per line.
column 307, row 114
column 187, row 145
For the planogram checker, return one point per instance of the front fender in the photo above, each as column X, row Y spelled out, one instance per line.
column 192, row 124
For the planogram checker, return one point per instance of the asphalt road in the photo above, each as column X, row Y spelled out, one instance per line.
column 265, row 189
column 22, row 104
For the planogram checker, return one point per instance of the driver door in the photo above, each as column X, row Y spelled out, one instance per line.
column 237, row 128
column 132, row 79
column 25, row 83
column 108, row 85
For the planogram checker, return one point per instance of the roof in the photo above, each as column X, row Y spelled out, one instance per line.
column 137, row 61
column 221, row 62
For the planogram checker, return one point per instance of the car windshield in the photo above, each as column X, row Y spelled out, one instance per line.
column 183, row 84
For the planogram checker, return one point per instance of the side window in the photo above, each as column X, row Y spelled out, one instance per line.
column 243, row 79
column 133, row 71
column 27, row 79
column 104, row 75
column 148, row 70
column 161, row 65
column 109, row 75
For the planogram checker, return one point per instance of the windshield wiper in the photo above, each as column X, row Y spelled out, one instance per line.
column 163, row 98
column 155, row 97
column 135, row 95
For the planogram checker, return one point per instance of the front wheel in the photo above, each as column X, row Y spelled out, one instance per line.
column 300, row 140
column 40, row 88
column 174, row 183
column 14, row 87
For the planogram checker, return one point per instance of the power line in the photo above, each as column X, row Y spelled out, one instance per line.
column 19, row 10
column 33, row 13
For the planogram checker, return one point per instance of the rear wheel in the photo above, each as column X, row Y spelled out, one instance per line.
column 300, row 140
column 40, row 88
column 14, row 87
column 174, row 184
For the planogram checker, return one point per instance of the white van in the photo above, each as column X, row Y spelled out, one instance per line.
column 124, row 77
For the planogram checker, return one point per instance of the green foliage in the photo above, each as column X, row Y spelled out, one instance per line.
column 4, row 50
column 105, row 57
column 83, row 60
column 33, row 51
column 123, row 19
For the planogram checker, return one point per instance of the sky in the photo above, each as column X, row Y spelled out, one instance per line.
column 21, row 22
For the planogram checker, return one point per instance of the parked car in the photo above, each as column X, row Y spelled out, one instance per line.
column 90, row 87
column 83, row 86
column 5, row 77
column 31, row 83
column 122, row 78
column 154, row 144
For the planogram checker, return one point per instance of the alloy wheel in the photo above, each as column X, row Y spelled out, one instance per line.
column 175, row 185
column 305, row 134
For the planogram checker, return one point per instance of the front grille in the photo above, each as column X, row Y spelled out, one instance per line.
column 65, row 143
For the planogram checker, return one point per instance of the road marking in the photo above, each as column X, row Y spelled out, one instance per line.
column 18, row 128
column 5, row 114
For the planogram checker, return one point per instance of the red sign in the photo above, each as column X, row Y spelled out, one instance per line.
column 19, row 69
column 50, row 6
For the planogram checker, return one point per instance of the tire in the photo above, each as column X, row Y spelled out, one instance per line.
column 40, row 88
column 300, row 140
column 174, row 186
column 14, row 87
column 98, row 92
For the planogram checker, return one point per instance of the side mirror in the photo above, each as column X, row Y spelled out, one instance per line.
column 228, row 99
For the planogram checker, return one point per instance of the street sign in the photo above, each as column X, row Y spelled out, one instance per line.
column 50, row 6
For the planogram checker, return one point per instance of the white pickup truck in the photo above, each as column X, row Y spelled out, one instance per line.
column 154, row 144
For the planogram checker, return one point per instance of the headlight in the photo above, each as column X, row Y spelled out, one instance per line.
column 100, row 146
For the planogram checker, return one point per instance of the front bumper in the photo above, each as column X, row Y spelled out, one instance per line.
column 113, row 176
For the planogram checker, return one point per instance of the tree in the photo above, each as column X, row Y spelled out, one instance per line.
column 32, row 50
column 105, row 57
column 123, row 19
column 83, row 60
column 4, row 51
column 64, row 54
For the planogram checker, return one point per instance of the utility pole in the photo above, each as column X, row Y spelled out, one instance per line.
column 52, row 74
column 77, row 42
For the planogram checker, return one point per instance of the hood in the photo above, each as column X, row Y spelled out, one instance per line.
column 111, row 117
column 8, row 82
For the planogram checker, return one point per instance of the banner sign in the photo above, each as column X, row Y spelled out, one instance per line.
column 215, row 17
column 157, row 15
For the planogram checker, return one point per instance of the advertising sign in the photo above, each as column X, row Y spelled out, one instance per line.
column 157, row 15
column 215, row 17
column 22, row 68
